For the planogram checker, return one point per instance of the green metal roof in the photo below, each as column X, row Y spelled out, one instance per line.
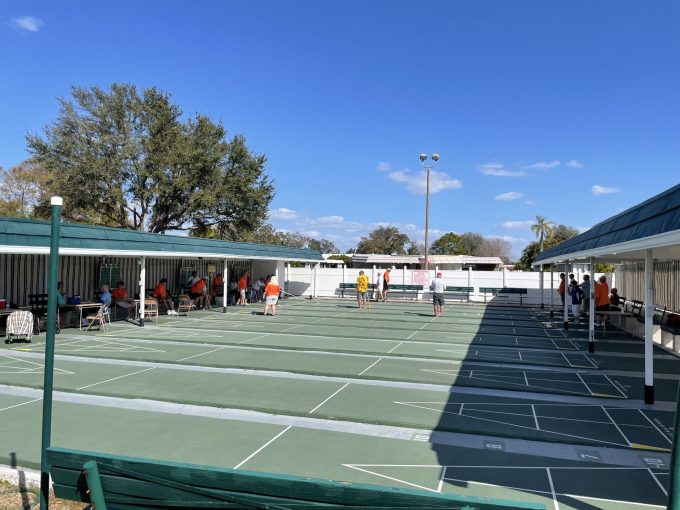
column 17, row 232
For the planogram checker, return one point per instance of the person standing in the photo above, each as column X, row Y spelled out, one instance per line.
column 585, row 288
column 379, row 287
column 601, row 299
column 437, row 288
column 271, row 295
column 386, row 283
column 576, row 298
column 561, row 288
column 242, row 286
column 362, row 289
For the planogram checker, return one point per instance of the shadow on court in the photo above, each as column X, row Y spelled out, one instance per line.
column 499, row 418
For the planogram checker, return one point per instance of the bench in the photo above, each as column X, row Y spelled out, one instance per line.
column 504, row 292
column 459, row 291
column 406, row 289
column 113, row 481
column 352, row 287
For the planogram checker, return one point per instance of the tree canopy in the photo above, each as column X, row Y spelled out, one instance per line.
column 556, row 235
column 127, row 158
column 449, row 244
column 384, row 240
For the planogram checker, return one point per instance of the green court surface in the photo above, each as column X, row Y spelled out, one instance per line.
column 488, row 400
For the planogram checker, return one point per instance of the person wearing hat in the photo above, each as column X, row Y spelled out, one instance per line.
column 602, row 301
column 437, row 288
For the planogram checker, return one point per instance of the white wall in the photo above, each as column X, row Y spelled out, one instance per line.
column 299, row 281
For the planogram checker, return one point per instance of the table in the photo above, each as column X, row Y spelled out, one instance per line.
column 80, row 308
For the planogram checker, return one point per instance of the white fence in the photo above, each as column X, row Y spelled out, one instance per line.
column 301, row 281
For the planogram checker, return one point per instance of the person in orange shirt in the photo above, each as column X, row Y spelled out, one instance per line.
column 199, row 293
column 215, row 286
column 242, row 287
column 386, row 283
column 120, row 298
column 160, row 292
column 271, row 295
column 602, row 301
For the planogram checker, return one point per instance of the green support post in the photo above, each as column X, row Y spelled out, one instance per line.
column 94, row 485
column 49, row 353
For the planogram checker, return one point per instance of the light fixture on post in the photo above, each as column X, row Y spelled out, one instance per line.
column 423, row 158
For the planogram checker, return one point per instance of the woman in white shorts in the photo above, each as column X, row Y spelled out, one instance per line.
column 271, row 295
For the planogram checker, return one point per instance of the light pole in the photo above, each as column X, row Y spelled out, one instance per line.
column 423, row 158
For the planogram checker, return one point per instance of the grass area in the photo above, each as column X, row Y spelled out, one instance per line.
column 12, row 498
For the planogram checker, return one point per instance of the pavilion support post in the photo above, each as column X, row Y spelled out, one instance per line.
column 649, row 317
column 48, row 380
column 540, row 285
column 591, row 308
column 142, row 289
column 469, row 282
column 566, row 295
column 316, row 280
column 552, row 292
column 225, row 285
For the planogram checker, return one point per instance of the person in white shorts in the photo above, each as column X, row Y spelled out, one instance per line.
column 271, row 295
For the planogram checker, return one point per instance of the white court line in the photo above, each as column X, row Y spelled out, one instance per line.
column 203, row 353
column 396, row 346
column 658, row 482
column 288, row 329
column 654, row 425
column 441, row 479
column 533, row 411
column 616, row 386
column 369, row 367
column 115, row 378
column 526, row 379
column 262, row 447
column 251, row 339
column 616, row 425
column 584, row 383
column 334, row 394
column 22, row 404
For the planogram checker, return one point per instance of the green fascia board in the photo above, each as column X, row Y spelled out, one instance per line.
column 33, row 233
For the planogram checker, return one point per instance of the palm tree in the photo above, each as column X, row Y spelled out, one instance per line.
column 542, row 229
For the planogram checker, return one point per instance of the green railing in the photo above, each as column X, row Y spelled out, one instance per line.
column 114, row 482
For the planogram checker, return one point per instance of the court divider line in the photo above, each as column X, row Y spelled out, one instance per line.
column 262, row 447
column 334, row 394
column 114, row 379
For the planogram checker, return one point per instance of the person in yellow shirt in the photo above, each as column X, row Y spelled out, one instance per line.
column 362, row 289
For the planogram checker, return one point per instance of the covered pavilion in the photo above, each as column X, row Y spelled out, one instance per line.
column 647, row 232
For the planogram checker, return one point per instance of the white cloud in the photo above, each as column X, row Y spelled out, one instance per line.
column 383, row 166
column 529, row 202
column 416, row 182
column 510, row 239
column 581, row 230
column 29, row 23
column 574, row 164
column 311, row 233
column 543, row 165
column 499, row 170
column 510, row 195
column 517, row 224
column 601, row 190
column 283, row 213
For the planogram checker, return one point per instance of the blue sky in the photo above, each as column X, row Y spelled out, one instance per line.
column 564, row 109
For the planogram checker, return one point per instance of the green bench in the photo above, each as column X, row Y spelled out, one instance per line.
column 406, row 289
column 115, row 482
column 504, row 292
column 352, row 287
column 459, row 291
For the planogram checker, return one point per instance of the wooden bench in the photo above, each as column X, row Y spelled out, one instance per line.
column 459, row 291
column 504, row 292
column 117, row 482
column 352, row 287
column 406, row 289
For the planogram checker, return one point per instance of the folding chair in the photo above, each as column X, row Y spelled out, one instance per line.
column 101, row 316
column 185, row 305
column 151, row 309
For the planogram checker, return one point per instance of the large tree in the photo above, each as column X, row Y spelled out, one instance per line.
column 448, row 244
column 21, row 188
column 496, row 247
column 127, row 158
column 557, row 235
column 384, row 240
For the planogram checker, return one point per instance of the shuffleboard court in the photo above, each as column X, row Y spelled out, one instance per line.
column 491, row 401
